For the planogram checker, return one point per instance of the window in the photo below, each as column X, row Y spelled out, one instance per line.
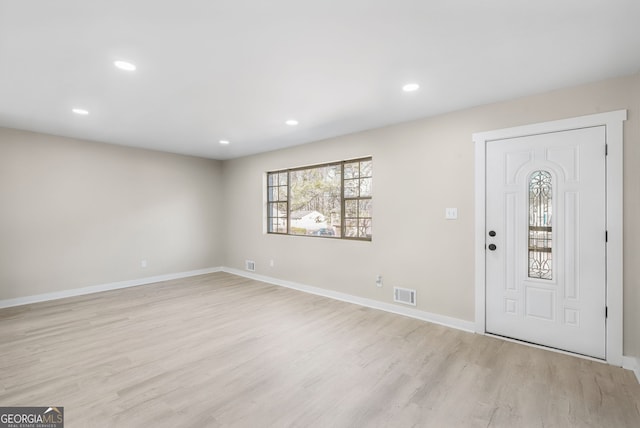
column 331, row 200
column 278, row 194
column 540, row 230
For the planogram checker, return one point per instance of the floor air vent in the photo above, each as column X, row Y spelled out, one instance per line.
column 404, row 295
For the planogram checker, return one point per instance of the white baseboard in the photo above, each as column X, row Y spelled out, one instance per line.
column 388, row 307
column 102, row 287
column 362, row 301
column 633, row 364
column 629, row 363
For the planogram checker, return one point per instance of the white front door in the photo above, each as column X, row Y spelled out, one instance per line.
column 546, row 239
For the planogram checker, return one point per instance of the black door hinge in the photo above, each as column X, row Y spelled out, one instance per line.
column 606, row 236
column 606, row 150
column 606, row 311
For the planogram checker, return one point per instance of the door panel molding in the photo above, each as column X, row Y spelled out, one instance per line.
column 613, row 122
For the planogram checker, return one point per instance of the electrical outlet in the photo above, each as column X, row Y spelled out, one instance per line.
column 271, row 263
column 143, row 264
column 250, row 265
column 451, row 213
column 379, row 281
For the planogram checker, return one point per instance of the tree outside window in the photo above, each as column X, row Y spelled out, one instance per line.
column 330, row 200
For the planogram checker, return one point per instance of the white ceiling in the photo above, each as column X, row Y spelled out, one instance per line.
column 237, row 69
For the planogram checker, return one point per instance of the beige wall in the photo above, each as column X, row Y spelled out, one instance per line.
column 420, row 168
column 76, row 214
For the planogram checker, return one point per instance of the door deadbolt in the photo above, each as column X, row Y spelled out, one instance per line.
column 492, row 247
column 492, row 233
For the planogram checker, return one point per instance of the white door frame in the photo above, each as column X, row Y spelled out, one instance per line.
column 613, row 122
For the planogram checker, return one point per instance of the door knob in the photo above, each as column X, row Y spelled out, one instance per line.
column 492, row 247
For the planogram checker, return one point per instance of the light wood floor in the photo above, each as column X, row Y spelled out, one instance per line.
column 221, row 350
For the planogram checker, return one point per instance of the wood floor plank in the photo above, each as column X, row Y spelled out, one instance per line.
column 219, row 350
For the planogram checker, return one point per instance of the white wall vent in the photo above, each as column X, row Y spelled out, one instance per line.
column 404, row 295
column 250, row 265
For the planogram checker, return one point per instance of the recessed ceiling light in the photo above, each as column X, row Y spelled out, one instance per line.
column 124, row 65
column 224, row 142
column 410, row 87
column 291, row 122
column 80, row 111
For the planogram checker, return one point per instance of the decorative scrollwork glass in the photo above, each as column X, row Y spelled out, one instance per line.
column 540, row 229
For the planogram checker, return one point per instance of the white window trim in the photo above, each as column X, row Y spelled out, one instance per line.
column 613, row 122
